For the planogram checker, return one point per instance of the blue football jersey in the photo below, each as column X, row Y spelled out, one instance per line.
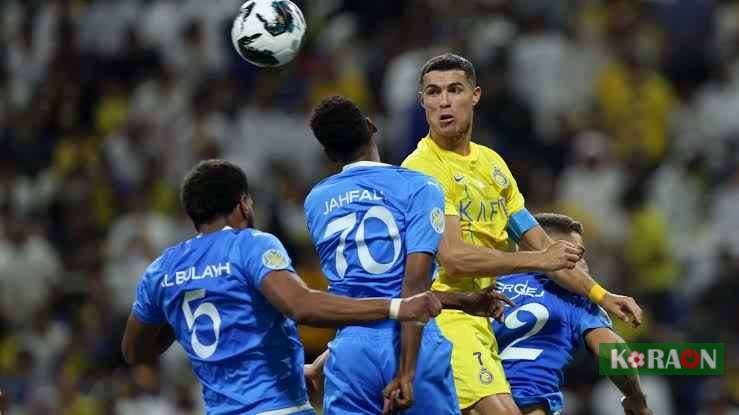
column 365, row 220
column 540, row 336
column 246, row 354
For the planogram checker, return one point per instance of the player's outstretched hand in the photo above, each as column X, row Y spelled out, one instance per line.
column 314, row 384
column 485, row 303
column 636, row 405
column 560, row 255
column 623, row 307
column 420, row 307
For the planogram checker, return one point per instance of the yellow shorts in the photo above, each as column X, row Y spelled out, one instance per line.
column 478, row 371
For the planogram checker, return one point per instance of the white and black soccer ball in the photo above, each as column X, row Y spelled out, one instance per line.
column 268, row 33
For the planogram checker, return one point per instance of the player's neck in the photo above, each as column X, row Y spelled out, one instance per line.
column 215, row 226
column 459, row 144
column 372, row 154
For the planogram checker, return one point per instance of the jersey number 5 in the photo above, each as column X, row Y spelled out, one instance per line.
column 344, row 226
column 512, row 322
column 206, row 309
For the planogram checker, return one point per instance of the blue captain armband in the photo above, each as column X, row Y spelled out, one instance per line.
column 519, row 223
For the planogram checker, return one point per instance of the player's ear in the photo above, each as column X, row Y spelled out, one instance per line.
column 420, row 99
column 371, row 126
column 476, row 93
column 247, row 201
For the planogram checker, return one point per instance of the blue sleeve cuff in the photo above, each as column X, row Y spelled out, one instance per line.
column 519, row 223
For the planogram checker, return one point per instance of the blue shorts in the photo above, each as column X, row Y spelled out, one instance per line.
column 364, row 359
column 553, row 402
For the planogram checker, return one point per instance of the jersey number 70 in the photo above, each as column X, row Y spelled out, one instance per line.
column 344, row 226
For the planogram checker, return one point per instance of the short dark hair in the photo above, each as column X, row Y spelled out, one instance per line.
column 212, row 189
column 340, row 127
column 449, row 62
column 558, row 223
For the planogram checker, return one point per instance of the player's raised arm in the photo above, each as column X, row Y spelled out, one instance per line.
column 461, row 259
column 289, row 294
column 269, row 269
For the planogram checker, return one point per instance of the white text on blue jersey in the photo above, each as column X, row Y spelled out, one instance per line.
column 520, row 289
column 208, row 271
column 349, row 197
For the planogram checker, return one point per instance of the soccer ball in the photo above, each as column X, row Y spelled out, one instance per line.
column 268, row 33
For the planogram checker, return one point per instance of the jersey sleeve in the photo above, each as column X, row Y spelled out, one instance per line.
column 426, row 218
column 145, row 307
column 263, row 254
column 588, row 316
column 443, row 178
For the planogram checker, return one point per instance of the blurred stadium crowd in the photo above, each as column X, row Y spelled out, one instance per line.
column 624, row 114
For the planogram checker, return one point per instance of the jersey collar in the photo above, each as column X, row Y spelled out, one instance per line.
column 225, row 228
column 363, row 163
column 431, row 144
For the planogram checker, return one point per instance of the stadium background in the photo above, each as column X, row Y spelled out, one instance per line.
column 624, row 114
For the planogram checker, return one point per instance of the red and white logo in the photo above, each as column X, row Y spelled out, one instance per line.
column 636, row 359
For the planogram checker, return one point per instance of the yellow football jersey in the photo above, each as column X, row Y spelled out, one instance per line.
column 479, row 189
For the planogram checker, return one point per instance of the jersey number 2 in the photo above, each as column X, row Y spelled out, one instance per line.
column 344, row 226
column 512, row 322
column 206, row 309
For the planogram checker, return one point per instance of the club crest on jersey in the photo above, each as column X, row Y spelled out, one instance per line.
column 500, row 178
column 485, row 376
column 437, row 220
column 274, row 259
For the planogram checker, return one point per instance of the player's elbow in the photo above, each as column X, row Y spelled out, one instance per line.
column 303, row 314
column 300, row 315
column 309, row 318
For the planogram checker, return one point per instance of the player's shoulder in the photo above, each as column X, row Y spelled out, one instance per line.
column 422, row 155
column 417, row 154
column 254, row 236
column 314, row 192
column 428, row 164
column 420, row 161
column 161, row 265
column 414, row 176
column 416, row 183
column 324, row 185
column 488, row 153
column 157, row 267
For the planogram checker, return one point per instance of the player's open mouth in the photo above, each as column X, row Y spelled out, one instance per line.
column 446, row 119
